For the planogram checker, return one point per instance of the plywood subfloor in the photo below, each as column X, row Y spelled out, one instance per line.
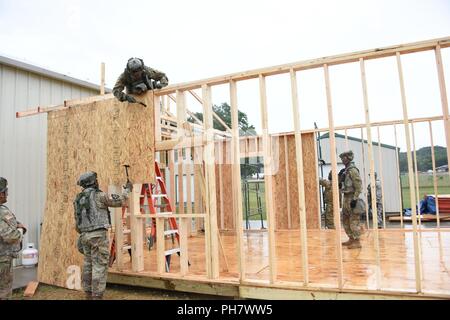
column 396, row 254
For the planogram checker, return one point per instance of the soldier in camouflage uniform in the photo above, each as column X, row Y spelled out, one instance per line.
column 92, row 220
column 11, row 233
column 379, row 200
column 328, row 200
column 350, row 182
column 137, row 79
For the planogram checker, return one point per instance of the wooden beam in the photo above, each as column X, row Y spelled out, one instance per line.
column 443, row 91
column 399, row 177
column 102, row 78
column 188, row 187
column 184, row 258
column 268, row 179
column 300, row 176
column 288, row 191
column 363, row 152
column 416, row 175
column 417, row 253
column 372, row 173
column 221, row 186
column 237, row 190
column 118, row 229
column 209, row 158
column 435, row 188
column 311, row 64
column 137, row 236
column 160, row 246
column 30, row 289
column 380, row 166
column 336, row 213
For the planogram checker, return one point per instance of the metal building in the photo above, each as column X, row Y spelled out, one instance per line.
column 391, row 179
column 23, row 141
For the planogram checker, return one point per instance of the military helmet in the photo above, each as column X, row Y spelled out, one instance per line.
column 3, row 184
column 87, row 179
column 135, row 64
column 348, row 154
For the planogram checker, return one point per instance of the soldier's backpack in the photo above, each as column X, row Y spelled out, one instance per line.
column 82, row 206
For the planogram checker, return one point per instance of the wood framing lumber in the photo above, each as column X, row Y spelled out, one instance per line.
column 417, row 253
column 372, row 172
column 336, row 206
column 313, row 63
column 137, row 236
column 30, row 289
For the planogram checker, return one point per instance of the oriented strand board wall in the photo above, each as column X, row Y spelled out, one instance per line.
column 281, row 184
column 224, row 191
column 287, row 217
column 99, row 136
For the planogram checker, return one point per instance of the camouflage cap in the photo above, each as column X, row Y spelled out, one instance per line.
column 3, row 184
column 348, row 154
column 87, row 179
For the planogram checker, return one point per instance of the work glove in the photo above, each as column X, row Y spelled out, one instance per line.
column 158, row 85
column 21, row 226
column 353, row 204
column 130, row 99
column 128, row 187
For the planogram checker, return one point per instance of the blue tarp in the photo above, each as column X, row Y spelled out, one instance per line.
column 427, row 205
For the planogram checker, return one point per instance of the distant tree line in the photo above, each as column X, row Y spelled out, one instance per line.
column 424, row 158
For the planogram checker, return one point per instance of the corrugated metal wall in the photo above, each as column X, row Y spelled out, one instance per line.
column 23, row 142
column 390, row 176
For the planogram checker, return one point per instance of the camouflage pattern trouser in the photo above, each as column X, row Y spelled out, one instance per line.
column 379, row 213
column 329, row 219
column 350, row 220
column 6, row 277
column 95, row 245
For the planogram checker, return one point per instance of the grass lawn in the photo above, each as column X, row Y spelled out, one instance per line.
column 425, row 186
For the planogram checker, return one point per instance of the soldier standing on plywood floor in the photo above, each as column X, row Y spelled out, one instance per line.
column 352, row 206
column 92, row 220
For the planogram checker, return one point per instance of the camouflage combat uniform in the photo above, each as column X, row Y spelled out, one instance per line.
column 10, row 245
column 351, row 189
column 125, row 81
column 93, row 243
column 328, row 200
column 379, row 201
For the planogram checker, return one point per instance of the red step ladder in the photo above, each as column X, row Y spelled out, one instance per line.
column 158, row 199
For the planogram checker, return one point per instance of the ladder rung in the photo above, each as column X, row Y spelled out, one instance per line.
column 159, row 195
column 126, row 248
column 169, row 232
column 172, row 251
column 159, row 178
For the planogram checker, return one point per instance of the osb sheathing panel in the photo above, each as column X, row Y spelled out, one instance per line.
column 224, row 191
column 99, row 136
column 281, row 196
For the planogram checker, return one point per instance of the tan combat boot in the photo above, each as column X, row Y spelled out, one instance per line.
column 355, row 244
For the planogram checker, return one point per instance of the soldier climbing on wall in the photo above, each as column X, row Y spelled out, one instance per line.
column 328, row 200
column 352, row 206
column 137, row 79
column 92, row 220
column 11, row 234
column 379, row 201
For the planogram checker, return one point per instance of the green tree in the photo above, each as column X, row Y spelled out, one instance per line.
column 224, row 112
column 424, row 158
column 248, row 166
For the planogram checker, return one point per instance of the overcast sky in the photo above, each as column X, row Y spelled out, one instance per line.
column 191, row 40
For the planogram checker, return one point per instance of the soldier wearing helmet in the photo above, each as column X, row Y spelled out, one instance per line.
column 137, row 78
column 11, row 234
column 92, row 221
column 328, row 200
column 352, row 206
